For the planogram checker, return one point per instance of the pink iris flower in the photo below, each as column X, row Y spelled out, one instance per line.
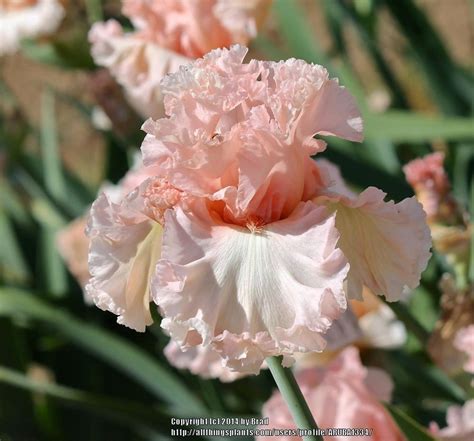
column 168, row 34
column 344, row 394
column 243, row 241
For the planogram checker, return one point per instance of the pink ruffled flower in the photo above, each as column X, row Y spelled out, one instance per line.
column 464, row 342
column 255, row 252
column 343, row 394
column 195, row 27
column 136, row 64
column 200, row 360
column 241, row 135
column 460, row 424
column 429, row 180
column 169, row 33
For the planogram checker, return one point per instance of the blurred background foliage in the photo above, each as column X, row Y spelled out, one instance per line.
column 67, row 370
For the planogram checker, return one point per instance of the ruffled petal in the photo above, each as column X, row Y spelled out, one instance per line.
column 250, row 294
column 200, row 360
column 332, row 180
column 460, row 420
column 428, row 178
column 137, row 64
column 194, row 27
column 306, row 102
column 243, row 132
column 273, row 177
column 125, row 246
column 387, row 244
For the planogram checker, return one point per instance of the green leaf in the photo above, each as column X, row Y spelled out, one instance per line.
column 341, row 13
column 435, row 383
column 268, row 48
column 52, row 170
column 119, row 410
column 463, row 161
column 442, row 74
column 471, row 256
column 412, row 430
column 42, row 209
column 44, row 53
column 412, row 324
column 78, row 197
column 296, row 30
column 94, row 11
column 110, row 348
column 412, row 127
column 71, row 52
column 53, row 270
column 424, row 308
column 298, row 33
column 13, row 206
column 13, row 267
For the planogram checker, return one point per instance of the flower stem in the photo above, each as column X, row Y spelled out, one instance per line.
column 294, row 398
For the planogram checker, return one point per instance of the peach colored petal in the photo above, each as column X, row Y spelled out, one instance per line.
column 343, row 332
column 333, row 180
column 73, row 244
column 194, row 27
column 273, row 177
column 200, row 360
column 187, row 27
column 120, row 284
column 250, row 294
column 460, row 424
column 428, row 171
column 125, row 246
column 306, row 102
column 243, row 132
column 339, row 396
column 379, row 383
column 136, row 64
column 464, row 342
column 169, row 33
column 429, row 180
column 136, row 176
column 387, row 244
column 197, row 145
